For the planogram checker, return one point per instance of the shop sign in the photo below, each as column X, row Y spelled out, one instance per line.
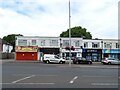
column 26, row 49
column 111, row 51
column 85, row 50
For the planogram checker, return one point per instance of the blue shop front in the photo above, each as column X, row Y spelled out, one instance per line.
column 92, row 54
column 113, row 53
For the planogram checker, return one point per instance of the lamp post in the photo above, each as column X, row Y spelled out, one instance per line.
column 69, row 35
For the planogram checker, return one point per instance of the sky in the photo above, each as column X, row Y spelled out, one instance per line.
column 51, row 17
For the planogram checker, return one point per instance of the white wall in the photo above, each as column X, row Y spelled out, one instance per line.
column 7, row 48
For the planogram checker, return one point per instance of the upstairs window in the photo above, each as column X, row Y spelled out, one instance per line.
column 33, row 42
column 42, row 42
column 22, row 42
column 53, row 42
column 86, row 44
column 77, row 43
column 66, row 43
column 95, row 44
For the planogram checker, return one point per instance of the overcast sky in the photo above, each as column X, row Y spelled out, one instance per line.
column 50, row 17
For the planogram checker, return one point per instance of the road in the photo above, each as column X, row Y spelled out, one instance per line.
column 40, row 75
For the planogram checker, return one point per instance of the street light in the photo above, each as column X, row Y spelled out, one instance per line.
column 69, row 35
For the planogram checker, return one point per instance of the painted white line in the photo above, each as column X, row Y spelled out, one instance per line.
column 73, row 79
column 29, row 74
column 99, row 76
column 23, row 79
column 104, row 84
column 30, row 83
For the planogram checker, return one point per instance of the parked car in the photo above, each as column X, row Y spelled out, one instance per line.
column 79, row 60
column 50, row 58
column 110, row 61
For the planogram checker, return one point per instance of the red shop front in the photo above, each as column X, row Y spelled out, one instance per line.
column 26, row 53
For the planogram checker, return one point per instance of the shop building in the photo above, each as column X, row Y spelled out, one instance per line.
column 46, row 45
column 34, row 47
column 92, row 49
column 111, row 48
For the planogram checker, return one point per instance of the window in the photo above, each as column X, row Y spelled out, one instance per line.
column 117, row 45
column 42, row 42
column 22, row 42
column 65, row 42
column 95, row 44
column 53, row 42
column 77, row 43
column 33, row 42
column 86, row 44
column 108, row 45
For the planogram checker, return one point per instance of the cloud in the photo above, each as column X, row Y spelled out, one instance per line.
column 50, row 17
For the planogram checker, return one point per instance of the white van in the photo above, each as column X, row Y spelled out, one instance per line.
column 50, row 58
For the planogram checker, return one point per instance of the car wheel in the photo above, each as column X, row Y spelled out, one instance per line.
column 74, row 62
column 61, row 62
column 47, row 61
column 109, row 63
column 89, row 62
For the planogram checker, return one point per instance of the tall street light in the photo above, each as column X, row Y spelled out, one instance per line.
column 69, row 35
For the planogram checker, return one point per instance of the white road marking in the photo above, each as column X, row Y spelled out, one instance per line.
column 99, row 76
column 29, row 74
column 104, row 84
column 23, row 79
column 30, row 83
column 73, row 79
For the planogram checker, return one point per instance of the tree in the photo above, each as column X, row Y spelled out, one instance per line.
column 77, row 32
column 11, row 39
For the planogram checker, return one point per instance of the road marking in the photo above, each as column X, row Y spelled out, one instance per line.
column 73, row 79
column 99, row 76
column 30, row 83
column 104, row 84
column 23, row 79
column 29, row 74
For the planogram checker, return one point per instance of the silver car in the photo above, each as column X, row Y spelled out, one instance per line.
column 110, row 61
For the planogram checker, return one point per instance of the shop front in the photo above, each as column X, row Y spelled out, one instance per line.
column 26, row 53
column 93, row 54
column 113, row 53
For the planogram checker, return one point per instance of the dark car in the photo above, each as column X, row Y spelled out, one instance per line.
column 79, row 60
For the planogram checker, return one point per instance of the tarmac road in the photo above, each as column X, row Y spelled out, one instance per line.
column 40, row 75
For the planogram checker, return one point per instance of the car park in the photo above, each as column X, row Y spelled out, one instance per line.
column 110, row 61
column 50, row 58
column 81, row 60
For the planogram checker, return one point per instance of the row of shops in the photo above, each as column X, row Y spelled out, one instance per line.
column 36, row 53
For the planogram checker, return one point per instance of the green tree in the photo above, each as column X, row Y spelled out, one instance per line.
column 77, row 31
column 11, row 39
